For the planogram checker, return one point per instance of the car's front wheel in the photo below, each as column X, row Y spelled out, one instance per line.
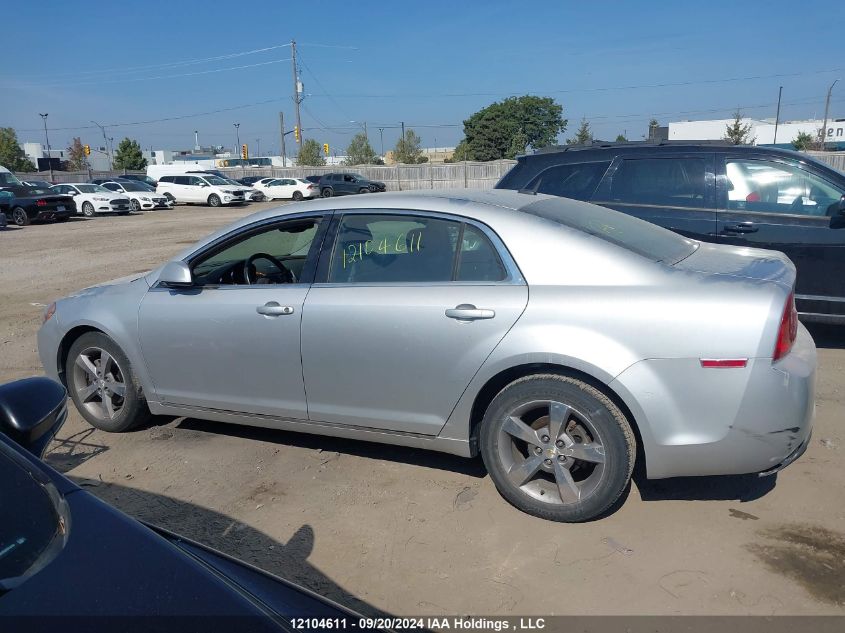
column 20, row 217
column 364, row 190
column 134, row 205
column 102, row 385
column 88, row 210
column 557, row 447
column 214, row 200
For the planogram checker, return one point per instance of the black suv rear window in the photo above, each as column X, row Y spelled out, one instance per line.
column 641, row 237
column 576, row 180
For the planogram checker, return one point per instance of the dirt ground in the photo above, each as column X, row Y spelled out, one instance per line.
column 402, row 531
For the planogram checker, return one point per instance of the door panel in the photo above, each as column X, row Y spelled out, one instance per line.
column 777, row 204
column 675, row 191
column 388, row 356
column 211, row 348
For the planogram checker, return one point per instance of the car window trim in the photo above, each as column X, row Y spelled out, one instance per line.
column 514, row 274
column 244, row 232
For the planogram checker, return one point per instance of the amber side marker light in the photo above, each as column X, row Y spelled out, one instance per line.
column 49, row 312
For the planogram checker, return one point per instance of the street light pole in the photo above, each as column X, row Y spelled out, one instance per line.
column 49, row 155
column 826, row 110
column 105, row 141
column 381, row 136
column 777, row 117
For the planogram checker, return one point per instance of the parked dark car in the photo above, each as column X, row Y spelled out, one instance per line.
column 23, row 204
column 102, row 181
column 64, row 552
column 729, row 194
column 250, row 180
column 38, row 184
column 152, row 182
column 345, row 184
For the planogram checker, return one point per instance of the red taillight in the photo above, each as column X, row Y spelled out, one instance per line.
column 310, row 186
column 40, row 203
column 788, row 329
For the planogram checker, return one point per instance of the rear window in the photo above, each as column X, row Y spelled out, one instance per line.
column 638, row 236
column 576, row 180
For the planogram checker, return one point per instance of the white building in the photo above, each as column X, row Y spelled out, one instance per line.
column 762, row 130
column 37, row 151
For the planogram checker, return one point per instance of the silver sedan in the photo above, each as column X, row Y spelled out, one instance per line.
column 560, row 340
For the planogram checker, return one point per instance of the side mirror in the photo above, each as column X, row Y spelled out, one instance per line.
column 176, row 275
column 840, row 208
column 32, row 411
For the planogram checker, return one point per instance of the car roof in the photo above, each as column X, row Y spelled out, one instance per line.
column 600, row 148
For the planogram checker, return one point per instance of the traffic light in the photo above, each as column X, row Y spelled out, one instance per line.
column 326, row 148
column 244, row 151
column 296, row 133
column 87, row 150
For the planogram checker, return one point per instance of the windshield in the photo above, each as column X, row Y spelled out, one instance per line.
column 214, row 180
column 31, row 536
column 92, row 189
column 633, row 234
column 9, row 179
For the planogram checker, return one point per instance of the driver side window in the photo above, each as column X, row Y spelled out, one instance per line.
column 271, row 255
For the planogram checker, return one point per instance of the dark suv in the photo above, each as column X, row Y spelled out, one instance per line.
column 343, row 184
column 741, row 195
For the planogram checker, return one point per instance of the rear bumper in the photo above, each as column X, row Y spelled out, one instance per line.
column 695, row 421
column 50, row 214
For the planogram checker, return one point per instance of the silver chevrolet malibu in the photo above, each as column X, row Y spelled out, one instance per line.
column 558, row 339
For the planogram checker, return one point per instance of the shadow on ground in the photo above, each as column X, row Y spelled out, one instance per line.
column 369, row 450
column 286, row 560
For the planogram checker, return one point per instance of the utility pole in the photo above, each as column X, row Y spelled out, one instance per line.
column 282, row 134
column 105, row 141
column 49, row 154
column 257, row 147
column 381, row 136
column 111, row 153
column 366, row 135
column 777, row 117
column 297, row 90
column 826, row 111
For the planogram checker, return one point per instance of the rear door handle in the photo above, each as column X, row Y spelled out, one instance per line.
column 468, row 312
column 742, row 227
column 273, row 308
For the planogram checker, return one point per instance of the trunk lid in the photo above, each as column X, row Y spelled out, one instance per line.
column 738, row 261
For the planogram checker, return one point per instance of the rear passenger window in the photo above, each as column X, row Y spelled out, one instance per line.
column 181, row 180
column 394, row 248
column 577, row 180
column 478, row 259
column 675, row 182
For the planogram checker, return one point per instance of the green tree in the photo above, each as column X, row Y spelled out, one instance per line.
column 583, row 136
column 408, row 149
column 507, row 128
column 310, row 154
column 129, row 155
column 620, row 138
column 360, row 152
column 11, row 154
column 803, row 142
column 76, row 156
column 738, row 134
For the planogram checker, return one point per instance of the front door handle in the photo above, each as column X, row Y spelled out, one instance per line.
column 742, row 227
column 468, row 312
column 273, row 308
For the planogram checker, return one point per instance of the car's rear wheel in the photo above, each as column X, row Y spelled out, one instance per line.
column 103, row 386
column 134, row 205
column 214, row 200
column 327, row 192
column 20, row 217
column 88, row 209
column 297, row 195
column 557, row 447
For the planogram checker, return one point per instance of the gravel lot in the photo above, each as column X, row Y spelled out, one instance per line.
column 409, row 532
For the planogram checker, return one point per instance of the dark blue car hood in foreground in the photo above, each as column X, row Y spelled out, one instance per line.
column 116, row 574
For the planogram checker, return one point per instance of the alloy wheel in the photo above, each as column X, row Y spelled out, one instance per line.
column 552, row 452
column 99, row 383
column 20, row 217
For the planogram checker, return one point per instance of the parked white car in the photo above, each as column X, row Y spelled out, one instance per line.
column 199, row 189
column 141, row 196
column 295, row 188
column 92, row 199
column 251, row 194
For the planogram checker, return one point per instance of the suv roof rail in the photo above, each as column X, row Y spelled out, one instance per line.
column 603, row 144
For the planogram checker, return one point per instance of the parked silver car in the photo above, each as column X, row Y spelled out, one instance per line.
column 554, row 337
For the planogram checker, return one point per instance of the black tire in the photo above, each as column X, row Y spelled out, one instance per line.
column 214, row 200
column 134, row 205
column 88, row 209
column 602, row 424
column 327, row 192
column 297, row 195
column 364, row 190
column 170, row 197
column 133, row 410
column 20, row 217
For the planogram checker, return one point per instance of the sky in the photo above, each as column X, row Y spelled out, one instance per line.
column 156, row 71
